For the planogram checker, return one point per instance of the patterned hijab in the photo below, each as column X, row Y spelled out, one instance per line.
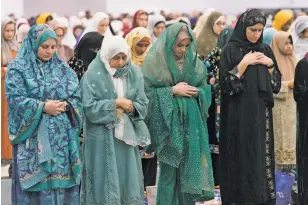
column 207, row 39
column 7, row 45
column 133, row 38
column 249, row 18
column 286, row 63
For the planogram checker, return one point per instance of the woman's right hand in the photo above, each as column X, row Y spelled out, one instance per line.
column 184, row 90
column 252, row 58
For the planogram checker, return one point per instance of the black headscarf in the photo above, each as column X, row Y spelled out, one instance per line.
column 255, row 73
column 87, row 48
column 85, row 52
column 250, row 18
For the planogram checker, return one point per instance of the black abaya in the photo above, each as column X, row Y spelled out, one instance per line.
column 301, row 97
column 246, row 126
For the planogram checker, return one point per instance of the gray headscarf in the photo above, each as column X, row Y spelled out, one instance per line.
column 7, row 45
column 153, row 21
column 300, row 44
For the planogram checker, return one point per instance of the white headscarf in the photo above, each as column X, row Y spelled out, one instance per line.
column 22, row 32
column 117, row 27
column 94, row 22
column 69, row 38
column 300, row 44
column 153, row 21
column 111, row 46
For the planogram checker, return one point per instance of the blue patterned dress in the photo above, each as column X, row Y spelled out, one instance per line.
column 46, row 150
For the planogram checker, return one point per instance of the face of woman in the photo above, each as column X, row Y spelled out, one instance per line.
column 77, row 32
column 118, row 61
column 182, row 47
column 142, row 20
column 288, row 47
column 159, row 28
column 141, row 47
column 9, row 31
column 219, row 25
column 287, row 26
column 102, row 26
column 305, row 33
column 60, row 34
column 47, row 49
column 254, row 32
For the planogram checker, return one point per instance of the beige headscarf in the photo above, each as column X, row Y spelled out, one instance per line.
column 183, row 34
column 201, row 21
column 133, row 38
column 7, row 45
column 286, row 63
column 207, row 39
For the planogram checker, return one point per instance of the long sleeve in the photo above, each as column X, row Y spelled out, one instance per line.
column 24, row 113
column 230, row 84
column 97, row 111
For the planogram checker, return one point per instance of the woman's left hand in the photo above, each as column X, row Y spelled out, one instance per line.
column 266, row 61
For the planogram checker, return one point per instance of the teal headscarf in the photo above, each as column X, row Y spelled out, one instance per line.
column 29, row 83
column 224, row 37
column 268, row 35
column 177, row 125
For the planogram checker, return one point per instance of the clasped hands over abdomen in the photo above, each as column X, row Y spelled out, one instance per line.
column 184, row 90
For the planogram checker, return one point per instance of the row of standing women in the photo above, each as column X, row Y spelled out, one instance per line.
column 170, row 95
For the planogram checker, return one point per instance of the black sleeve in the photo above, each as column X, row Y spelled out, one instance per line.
column 230, row 83
column 276, row 75
column 301, row 81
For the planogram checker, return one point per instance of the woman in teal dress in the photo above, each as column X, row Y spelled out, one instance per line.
column 175, row 83
column 115, row 106
column 45, row 118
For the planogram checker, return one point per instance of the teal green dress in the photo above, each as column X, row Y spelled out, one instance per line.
column 112, row 172
column 177, row 125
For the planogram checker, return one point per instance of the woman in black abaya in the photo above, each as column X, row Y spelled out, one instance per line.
column 301, row 97
column 248, row 78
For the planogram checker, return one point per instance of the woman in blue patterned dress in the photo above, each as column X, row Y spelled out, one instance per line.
column 45, row 117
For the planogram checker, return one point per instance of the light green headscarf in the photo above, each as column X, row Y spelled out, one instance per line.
column 178, row 124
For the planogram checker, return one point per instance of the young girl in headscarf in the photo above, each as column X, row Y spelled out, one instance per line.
column 175, row 83
column 8, row 53
column 207, row 39
column 115, row 106
column 139, row 42
column 157, row 24
column 284, row 112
